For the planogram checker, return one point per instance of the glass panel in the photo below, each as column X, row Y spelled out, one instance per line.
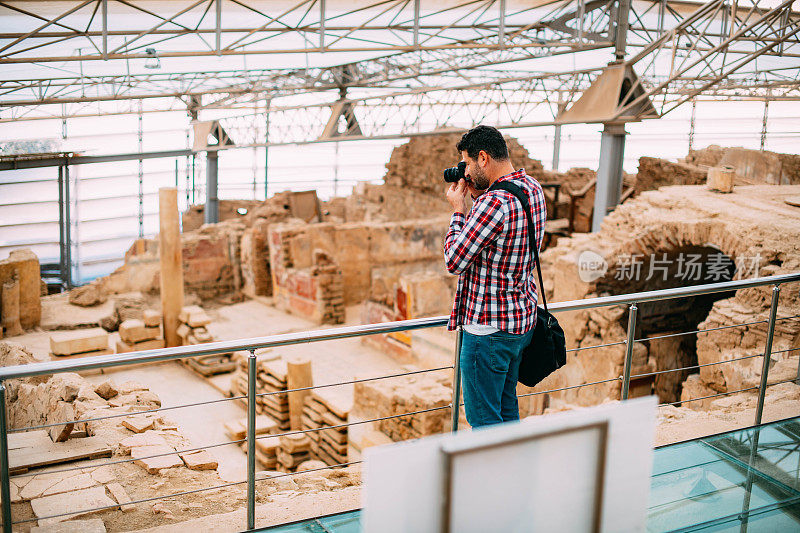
column 707, row 479
column 348, row 522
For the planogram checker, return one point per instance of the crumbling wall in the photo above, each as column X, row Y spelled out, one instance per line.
column 751, row 166
column 193, row 218
column 419, row 163
column 655, row 173
column 256, row 277
column 388, row 203
column 397, row 396
column 356, row 248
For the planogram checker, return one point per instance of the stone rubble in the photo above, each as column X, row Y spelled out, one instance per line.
column 192, row 330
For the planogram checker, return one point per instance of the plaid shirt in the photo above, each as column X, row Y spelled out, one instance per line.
column 490, row 250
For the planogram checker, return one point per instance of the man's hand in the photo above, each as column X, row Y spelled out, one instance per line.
column 456, row 195
column 473, row 191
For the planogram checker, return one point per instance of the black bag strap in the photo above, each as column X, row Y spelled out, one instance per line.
column 517, row 191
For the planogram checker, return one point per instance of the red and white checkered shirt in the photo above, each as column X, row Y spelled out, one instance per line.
column 490, row 250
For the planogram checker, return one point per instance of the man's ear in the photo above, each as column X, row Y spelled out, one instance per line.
column 483, row 158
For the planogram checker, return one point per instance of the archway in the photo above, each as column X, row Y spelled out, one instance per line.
column 661, row 329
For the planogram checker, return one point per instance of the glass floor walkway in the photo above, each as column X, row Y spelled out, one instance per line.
column 744, row 480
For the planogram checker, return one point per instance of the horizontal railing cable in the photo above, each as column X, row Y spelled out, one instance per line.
column 348, row 424
column 705, row 330
column 707, row 397
column 696, row 366
column 726, row 393
column 714, row 329
column 597, row 346
column 132, row 459
column 787, row 350
column 124, row 415
column 568, row 388
column 351, row 382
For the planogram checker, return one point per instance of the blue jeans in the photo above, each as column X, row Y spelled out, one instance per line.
column 489, row 372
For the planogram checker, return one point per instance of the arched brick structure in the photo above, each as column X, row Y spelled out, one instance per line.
column 752, row 226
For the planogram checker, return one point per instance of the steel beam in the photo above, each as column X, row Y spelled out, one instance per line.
column 104, row 15
column 609, row 172
column 211, row 210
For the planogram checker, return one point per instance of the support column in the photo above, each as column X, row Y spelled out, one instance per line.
column 556, row 147
column 557, row 136
column 211, row 210
column 62, row 234
column 266, row 150
column 609, row 172
column 170, row 256
column 67, row 229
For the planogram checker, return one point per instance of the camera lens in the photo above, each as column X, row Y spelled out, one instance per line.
column 452, row 175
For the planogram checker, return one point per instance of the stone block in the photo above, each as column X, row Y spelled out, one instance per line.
column 237, row 429
column 202, row 335
column 151, row 318
column 153, row 344
column 313, row 464
column 26, row 266
column 106, row 390
column 62, row 412
column 373, row 438
column 87, row 295
column 138, row 424
column 132, row 331
column 199, row 460
column 153, row 465
column 295, row 443
column 194, row 316
column 9, row 308
column 148, row 438
column 75, row 504
column 183, row 332
column 72, row 483
column 78, row 341
column 103, row 474
column 121, row 495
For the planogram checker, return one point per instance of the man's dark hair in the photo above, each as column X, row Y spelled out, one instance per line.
column 485, row 138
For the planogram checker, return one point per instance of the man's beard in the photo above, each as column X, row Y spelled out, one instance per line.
column 480, row 181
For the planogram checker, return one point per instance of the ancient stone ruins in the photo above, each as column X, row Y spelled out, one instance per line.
column 295, row 263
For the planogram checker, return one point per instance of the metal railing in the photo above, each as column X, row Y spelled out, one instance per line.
column 253, row 344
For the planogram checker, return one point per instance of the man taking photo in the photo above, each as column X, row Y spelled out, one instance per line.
column 489, row 248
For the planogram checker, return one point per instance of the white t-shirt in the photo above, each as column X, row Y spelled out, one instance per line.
column 480, row 329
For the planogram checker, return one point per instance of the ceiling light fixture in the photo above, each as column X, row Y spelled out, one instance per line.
column 153, row 62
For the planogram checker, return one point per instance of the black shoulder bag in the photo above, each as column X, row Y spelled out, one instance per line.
column 547, row 351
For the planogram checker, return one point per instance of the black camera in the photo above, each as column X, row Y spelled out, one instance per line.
column 452, row 175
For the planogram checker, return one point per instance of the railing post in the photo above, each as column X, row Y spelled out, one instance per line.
column 456, row 382
column 251, row 440
column 633, row 310
column 762, row 388
column 5, row 488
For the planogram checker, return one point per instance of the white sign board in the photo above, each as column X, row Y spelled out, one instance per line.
column 584, row 470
